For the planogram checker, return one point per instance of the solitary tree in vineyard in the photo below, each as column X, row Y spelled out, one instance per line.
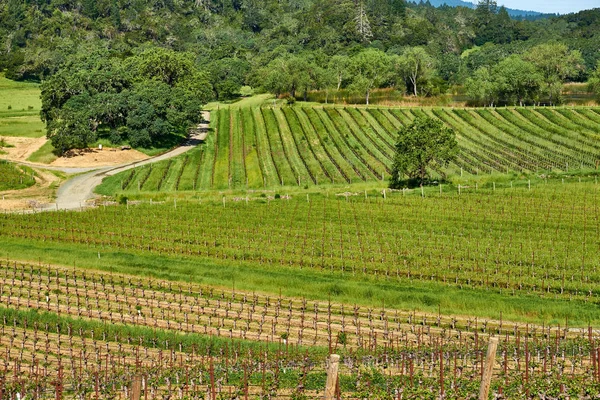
column 423, row 143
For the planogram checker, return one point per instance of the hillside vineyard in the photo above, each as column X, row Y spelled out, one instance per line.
column 299, row 146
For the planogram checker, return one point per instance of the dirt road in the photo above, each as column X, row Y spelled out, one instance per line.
column 76, row 192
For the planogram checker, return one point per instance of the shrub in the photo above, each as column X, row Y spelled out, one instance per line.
column 140, row 138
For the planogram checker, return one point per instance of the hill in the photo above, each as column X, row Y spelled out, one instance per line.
column 515, row 13
column 268, row 147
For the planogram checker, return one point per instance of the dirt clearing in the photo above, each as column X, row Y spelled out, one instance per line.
column 98, row 158
column 41, row 193
column 23, row 147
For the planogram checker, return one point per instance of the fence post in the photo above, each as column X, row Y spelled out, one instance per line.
column 488, row 369
column 136, row 388
column 332, row 376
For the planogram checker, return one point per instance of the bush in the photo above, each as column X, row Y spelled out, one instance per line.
column 290, row 100
column 140, row 138
column 115, row 137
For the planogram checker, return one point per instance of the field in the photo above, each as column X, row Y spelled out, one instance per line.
column 408, row 289
column 19, row 109
column 269, row 147
column 235, row 269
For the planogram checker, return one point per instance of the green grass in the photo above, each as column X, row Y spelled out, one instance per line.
column 20, row 106
column 44, row 154
column 19, row 96
column 13, row 177
column 243, row 102
column 22, row 126
column 415, row 295
column 508, row 250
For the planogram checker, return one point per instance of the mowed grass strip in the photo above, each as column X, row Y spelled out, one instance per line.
column 190, row 171
column 287, row 173
column 269, row 170
column 221, row 169
column 205, row 172
column 237, row 159
column 301, row 169
column 254, row 172
column 22, row 126
column 342, row 144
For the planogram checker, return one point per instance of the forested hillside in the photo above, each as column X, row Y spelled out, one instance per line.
column 295, row 47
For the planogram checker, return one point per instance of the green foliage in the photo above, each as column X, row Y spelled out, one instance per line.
column 143, row 99
column 14, row 177
column 594, row 82
column 513, row 81
column 415, row 67
column 420, row 145
column 556, row 63
column 369, row 68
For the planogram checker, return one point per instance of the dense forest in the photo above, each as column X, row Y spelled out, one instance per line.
column 287, row 47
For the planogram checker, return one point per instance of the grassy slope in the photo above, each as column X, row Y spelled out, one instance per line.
column 20, row 106
column 15, row 177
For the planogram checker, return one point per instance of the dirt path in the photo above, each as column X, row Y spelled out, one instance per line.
column 75, row 193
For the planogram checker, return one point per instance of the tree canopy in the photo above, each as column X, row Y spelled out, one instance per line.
column 144, row 99
column 292, row 47
column 424, row 144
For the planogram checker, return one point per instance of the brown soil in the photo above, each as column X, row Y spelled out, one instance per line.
column 88, row 158
column 24, row 147
column 98, row 158
column 39, row 194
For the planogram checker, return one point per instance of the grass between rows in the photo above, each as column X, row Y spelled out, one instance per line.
column 422, row 296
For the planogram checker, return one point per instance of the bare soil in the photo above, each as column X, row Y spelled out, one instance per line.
column 88, row 158
column 98, row 158
column 33, row 197
column 23, row 147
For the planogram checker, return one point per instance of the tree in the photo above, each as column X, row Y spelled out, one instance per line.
column 339, row 66
column 370, row 69
column 423, row 143
column 517, row 80
column 481, row 87
column 148, row 99
column 555, row 63
column 363, row 26
column 416, row 67
column 228, row 76
column 594, row 82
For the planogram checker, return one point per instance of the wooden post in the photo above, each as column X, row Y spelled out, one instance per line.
column 136, row 388
column 332, row 376
column 488, row 369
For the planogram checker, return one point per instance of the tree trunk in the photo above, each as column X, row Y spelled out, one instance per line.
column 413, row 79
column 368, row 93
